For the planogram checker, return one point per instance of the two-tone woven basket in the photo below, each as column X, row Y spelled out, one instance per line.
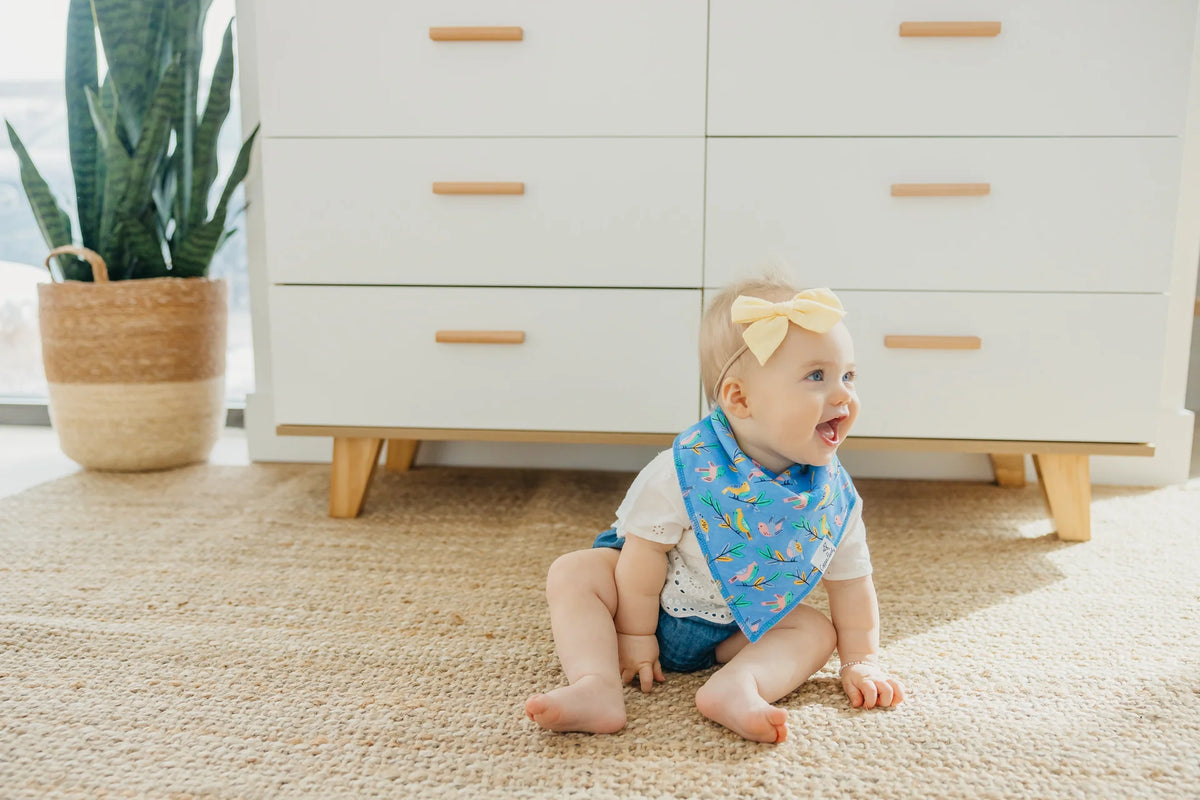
column 136, row 368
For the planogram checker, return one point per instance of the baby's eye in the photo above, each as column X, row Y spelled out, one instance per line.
column 815, row 375
column 849, row 377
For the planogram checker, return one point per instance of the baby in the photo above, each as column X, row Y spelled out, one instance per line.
column 720, row 537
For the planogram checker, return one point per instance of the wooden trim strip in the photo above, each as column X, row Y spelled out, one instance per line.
column 933, row 342
column 478, row 187
column 997, row 446
column 1196, row 310
column 494, row 33
column 884, row 444
column 941, row 189
column 908, row 29
column 480, row 337
column 479, row 435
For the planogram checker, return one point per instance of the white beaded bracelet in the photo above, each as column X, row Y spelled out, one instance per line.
column 849, row 664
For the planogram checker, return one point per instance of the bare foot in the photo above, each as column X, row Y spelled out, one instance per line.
column 591, row 705
column 734, row 701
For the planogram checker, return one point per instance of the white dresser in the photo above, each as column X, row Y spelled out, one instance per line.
column 496, row 220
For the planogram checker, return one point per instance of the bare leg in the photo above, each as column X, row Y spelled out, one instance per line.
column 582, row 592
column 739, row 695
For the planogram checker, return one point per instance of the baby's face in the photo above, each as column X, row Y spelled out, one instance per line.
column 803, row 402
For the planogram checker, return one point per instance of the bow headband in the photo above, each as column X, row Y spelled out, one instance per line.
column 817, row 310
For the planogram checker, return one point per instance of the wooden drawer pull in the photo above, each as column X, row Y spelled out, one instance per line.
column 941, row 189
column 503, row 33
column 478, row 187
column 949, row 28
column 480, row 337
column 933, row 342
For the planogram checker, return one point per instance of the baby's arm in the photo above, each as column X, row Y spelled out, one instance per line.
column 641, row 573
column 855, row 612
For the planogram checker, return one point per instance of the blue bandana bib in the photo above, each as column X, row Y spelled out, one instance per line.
column 767, row 538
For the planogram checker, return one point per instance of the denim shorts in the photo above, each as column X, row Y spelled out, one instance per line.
column 685, row 644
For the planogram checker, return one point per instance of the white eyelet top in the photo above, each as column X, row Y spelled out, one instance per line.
column 653, row 509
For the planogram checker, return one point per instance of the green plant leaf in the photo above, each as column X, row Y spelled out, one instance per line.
column 136, row 48
column 226, row 236
column 143, row 247
column 149, row 158
column 86, row 155
column 144, row 159
column 186, row 31
column 238, row 174
column 164, row 192
column 215, row 112
column 117, row 165
column 53, row 222
column 194, row 254
column 108, row 104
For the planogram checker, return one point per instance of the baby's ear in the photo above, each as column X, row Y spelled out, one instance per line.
column 734, row 399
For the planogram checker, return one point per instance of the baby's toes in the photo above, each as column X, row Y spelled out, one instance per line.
column 777, row 718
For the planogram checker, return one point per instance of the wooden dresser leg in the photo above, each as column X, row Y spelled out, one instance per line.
column 354, row 461
column 1066, row 485
column 1009, row 469
column 400, row 454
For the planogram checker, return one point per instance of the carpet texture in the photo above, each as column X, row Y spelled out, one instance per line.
column 209, row 632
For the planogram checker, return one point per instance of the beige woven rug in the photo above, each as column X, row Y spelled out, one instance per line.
column 209, row 632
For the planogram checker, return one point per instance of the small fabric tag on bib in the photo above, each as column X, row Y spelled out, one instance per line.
column 823, row 555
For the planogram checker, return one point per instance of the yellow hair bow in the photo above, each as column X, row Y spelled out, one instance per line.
column 816, row 310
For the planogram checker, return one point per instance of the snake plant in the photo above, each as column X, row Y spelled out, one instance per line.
column 144, row 159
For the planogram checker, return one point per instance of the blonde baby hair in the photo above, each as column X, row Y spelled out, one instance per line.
column 721, row 337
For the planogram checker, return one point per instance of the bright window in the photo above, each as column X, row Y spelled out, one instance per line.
column 32, row 57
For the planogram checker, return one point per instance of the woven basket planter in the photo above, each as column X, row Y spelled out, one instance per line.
column 136, row 368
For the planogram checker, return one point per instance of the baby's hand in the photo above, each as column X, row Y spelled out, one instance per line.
column 867, row 685
column 638, row 656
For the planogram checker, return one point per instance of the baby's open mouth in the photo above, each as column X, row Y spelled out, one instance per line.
column 828, row 430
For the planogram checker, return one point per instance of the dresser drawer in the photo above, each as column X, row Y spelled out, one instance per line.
column 593, row 212
column 1057, row 67
column 594, row 360
column 1056, row 367
column 1058, row 214
column 370, row 68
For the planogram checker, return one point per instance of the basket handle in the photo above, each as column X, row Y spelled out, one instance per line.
column 99, row 268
